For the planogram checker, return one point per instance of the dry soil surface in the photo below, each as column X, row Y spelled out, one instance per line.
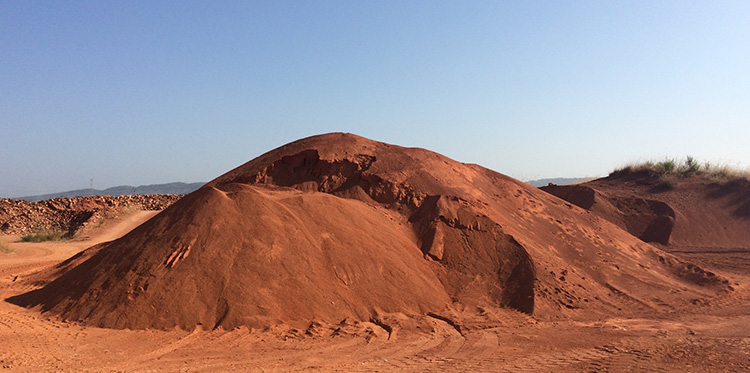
column 711, row 336
column 338, row 227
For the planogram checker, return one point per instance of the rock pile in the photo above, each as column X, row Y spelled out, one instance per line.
column 69, row 215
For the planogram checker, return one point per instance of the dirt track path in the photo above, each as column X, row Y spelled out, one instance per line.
column 713, row 337
column 34, row 255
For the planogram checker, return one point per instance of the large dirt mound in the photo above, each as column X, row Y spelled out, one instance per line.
column 337, row 226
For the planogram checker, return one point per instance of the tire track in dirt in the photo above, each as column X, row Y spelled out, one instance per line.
column 446, row 342
column 24, row 328
column 166, row 347
column 619, row 359
column 30, row 329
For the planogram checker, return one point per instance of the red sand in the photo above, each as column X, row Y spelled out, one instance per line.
column 702, row 219
column 337, row 226
column 704, row 212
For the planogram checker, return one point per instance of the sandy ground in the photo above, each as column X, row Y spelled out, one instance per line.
column 714, row 336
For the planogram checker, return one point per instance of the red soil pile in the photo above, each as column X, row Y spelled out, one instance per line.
column 337, row 226
column 695, row 211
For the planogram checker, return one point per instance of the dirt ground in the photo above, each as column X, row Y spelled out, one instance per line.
column 712, row 336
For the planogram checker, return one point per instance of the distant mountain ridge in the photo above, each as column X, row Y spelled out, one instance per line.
column 559, row 181
column 169, row 188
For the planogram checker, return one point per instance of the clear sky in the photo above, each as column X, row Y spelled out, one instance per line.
column 143, row 92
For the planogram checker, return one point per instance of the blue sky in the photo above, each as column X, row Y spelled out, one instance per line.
column 160, row 91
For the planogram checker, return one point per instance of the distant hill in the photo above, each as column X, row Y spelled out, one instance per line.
column 169, row 188
column 558, row 181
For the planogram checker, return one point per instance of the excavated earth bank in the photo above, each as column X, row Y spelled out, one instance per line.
column 697, row 211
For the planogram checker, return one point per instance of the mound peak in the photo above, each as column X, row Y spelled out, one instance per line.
column 338, row 226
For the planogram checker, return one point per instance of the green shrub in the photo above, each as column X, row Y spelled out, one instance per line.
column 42, row 235
column 691, row 165
column 666, row 166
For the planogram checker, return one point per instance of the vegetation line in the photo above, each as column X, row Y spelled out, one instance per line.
column 670, row 171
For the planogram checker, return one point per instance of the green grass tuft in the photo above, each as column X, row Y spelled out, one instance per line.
column 691, row 165
column 669, row 171
column 43, row 235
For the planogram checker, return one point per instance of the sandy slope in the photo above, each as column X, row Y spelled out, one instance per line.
column 703, row 219
column 710, row 337
column 337, row 226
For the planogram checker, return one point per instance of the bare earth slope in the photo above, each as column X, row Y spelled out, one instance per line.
column 698, row 216
column 337, row 226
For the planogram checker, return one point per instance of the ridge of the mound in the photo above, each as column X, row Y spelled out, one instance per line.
column 338, row 226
